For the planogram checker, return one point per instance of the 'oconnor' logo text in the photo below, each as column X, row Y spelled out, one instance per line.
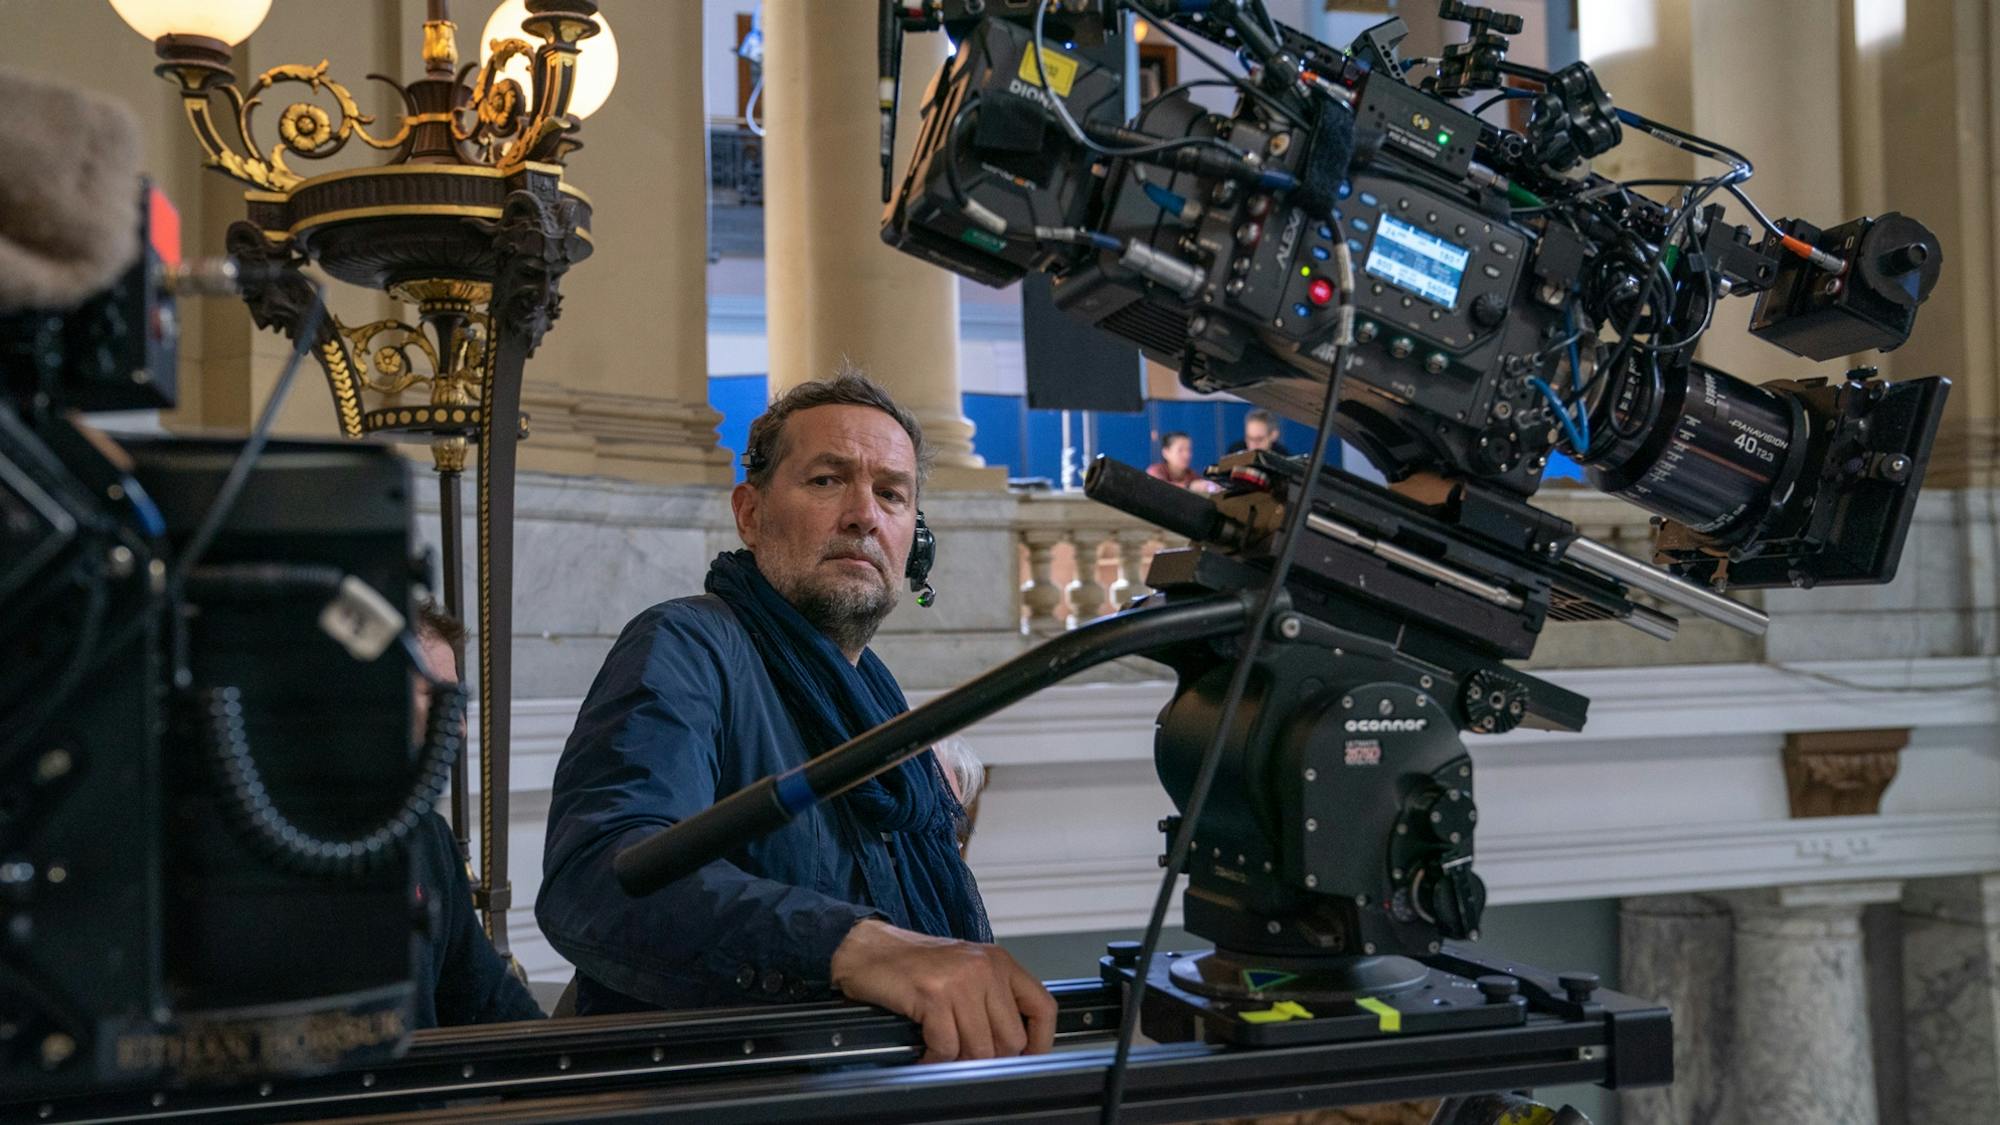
column 1372, row 726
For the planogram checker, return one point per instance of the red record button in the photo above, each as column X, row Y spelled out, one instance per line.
column 1320, row 291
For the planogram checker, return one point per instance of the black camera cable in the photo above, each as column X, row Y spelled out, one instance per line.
column 1648, row 296
column 1651, row 295
column 1248, row 648
column 267, row 830
column 1076, row 132
column 1168, row 29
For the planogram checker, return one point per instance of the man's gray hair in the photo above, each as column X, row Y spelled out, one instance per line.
column 848, row 387
column 966, row 771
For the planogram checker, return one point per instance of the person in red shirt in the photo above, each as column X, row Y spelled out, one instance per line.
column 1176, row 453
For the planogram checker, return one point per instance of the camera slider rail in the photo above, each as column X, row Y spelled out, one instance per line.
column 839, row 1062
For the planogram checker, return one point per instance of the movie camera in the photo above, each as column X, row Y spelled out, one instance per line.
column 1507, row 302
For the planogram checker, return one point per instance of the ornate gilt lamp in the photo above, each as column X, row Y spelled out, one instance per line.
column 469, row 219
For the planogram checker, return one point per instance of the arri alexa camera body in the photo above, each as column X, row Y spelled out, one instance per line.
column 1508, row 302
column 1461, row 301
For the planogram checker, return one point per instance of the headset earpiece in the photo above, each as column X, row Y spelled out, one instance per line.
column 923, row 553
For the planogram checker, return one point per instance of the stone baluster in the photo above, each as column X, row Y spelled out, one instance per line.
column 1132, row 560
column 1951, row 997
column 1802, row 1049
column 1039, row 595
column 1676, row 949
column 1087, row 592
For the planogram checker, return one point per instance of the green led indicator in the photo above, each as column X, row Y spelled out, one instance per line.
column 1305, row 271
column 1444, row 138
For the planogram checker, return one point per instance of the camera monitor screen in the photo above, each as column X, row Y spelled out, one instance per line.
column 1417, row 261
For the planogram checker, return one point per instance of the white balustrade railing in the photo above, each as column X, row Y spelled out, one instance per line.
column 1079, row 559
column 1057, row 529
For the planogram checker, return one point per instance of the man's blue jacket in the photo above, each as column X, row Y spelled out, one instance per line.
column 683, row 714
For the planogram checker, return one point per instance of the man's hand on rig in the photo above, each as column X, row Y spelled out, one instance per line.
column 974, row 1001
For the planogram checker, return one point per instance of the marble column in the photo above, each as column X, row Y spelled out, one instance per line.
column 1678, row 950
column 1887, row 106
column 1937, row 70
column 1951, row 997
column 620, row 387
column 1801, row 1046
column 834, row 292
column 1701, row 65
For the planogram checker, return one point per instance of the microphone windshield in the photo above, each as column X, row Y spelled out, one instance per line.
column 68, row 224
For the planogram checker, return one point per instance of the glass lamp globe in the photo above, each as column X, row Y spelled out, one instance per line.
column 596, row 57
column 231, row 21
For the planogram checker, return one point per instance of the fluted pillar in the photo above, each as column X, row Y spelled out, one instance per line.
column 1940, row 153
column 1951, row 997
column 834, row 291
column 1801, row 1048
column 620, row 387
column 1884, row 106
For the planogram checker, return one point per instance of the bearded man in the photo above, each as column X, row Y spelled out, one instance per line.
column 864, row 896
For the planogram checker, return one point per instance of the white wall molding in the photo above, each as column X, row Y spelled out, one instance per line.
column 1114, row 892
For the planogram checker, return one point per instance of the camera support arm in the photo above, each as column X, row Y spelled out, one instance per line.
column 683, row 848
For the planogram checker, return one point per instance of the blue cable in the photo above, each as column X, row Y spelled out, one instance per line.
column 1168, row 201
column 151, row 522
column 1576, row 377
column 1578, row 439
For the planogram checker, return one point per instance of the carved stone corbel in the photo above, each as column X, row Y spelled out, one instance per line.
column 1841, row 772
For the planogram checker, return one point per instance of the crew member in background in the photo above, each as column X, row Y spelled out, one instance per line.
column 966, row 775
column 1174, row 465
column 865, row 895
column 460, row 978
column 1260, row 431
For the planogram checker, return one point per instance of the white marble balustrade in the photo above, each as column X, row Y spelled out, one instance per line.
column 1079, row 559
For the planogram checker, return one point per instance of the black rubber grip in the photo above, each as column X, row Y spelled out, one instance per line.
column 1155, row 501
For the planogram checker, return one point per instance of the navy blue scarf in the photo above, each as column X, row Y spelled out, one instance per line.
column 918, row 880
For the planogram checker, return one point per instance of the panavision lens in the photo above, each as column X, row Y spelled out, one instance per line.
column 1714, row 452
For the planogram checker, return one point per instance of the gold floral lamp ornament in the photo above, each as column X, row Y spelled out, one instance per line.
column 469, row 218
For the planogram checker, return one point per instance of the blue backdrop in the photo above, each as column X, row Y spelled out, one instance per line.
column 1029, row 442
